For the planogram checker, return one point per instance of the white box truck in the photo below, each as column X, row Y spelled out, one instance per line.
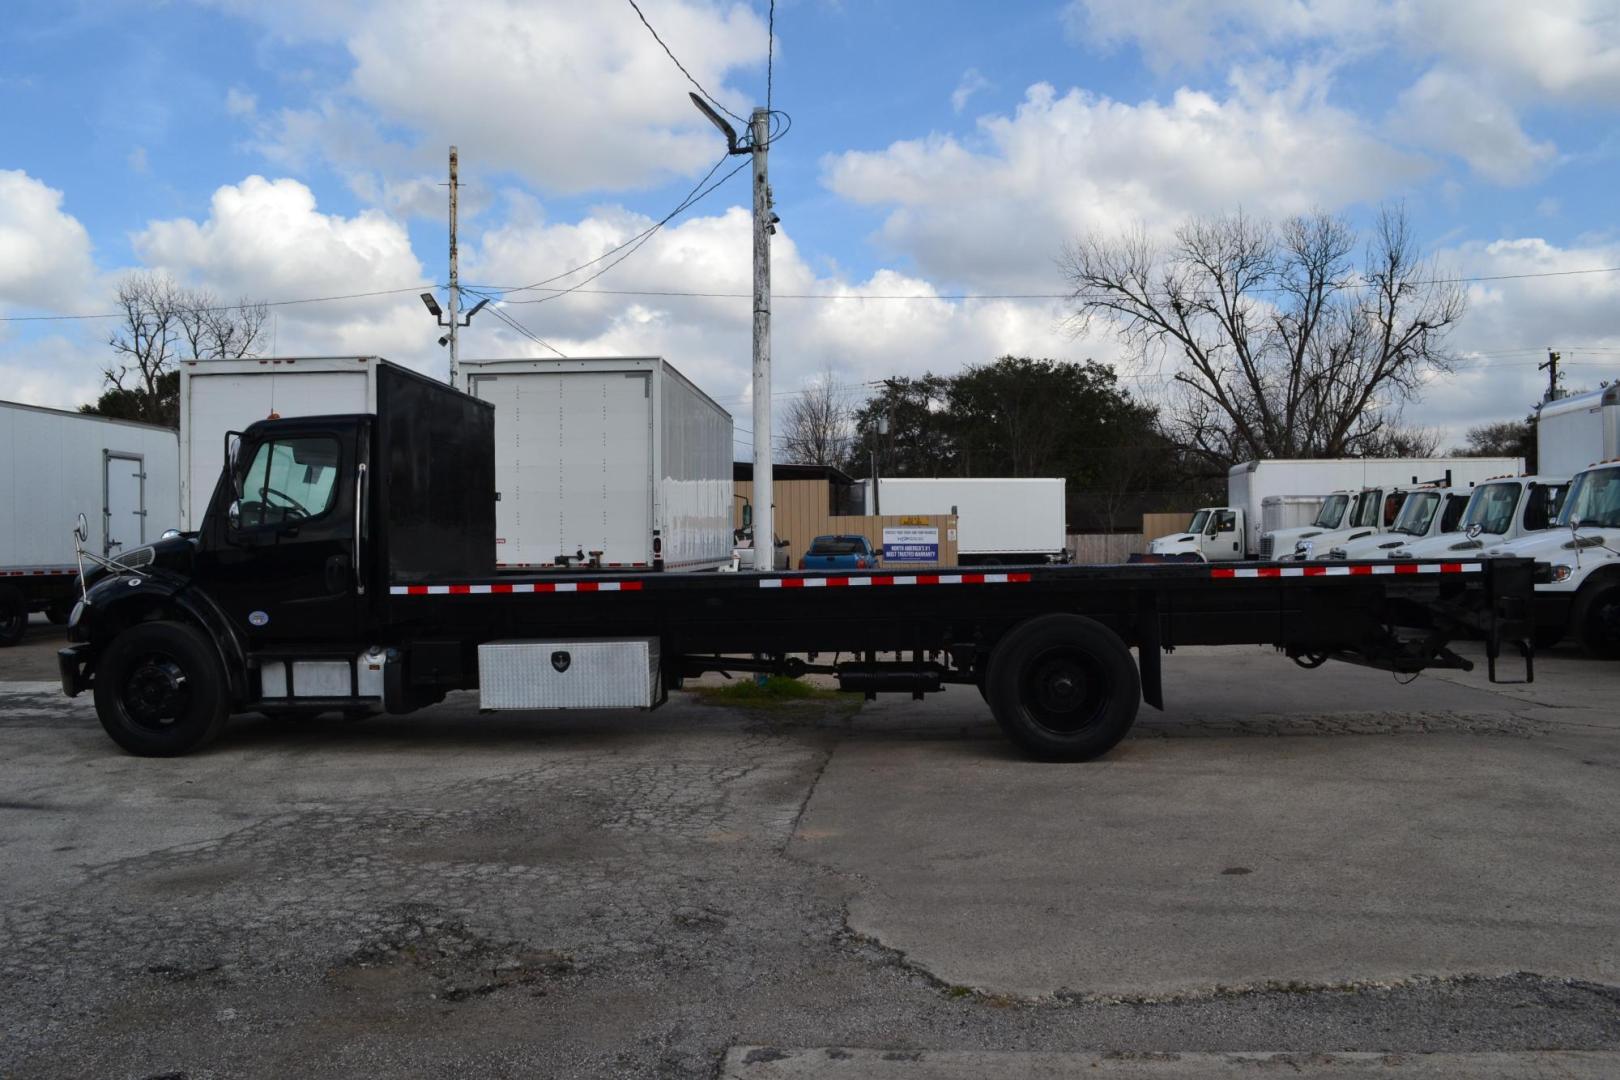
column 1353, row 497
column 123, row 477
column 1577, row 432
column 1001, row 521
column 618, row 462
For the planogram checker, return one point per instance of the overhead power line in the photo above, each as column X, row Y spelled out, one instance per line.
column 229, row 307
column 688, row 74
column 526, row 332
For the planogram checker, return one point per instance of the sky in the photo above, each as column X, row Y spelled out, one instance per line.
column 937, row 148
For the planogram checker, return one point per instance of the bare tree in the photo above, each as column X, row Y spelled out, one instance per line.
column 818, row 428
column 1282, row 346
column 162, row 324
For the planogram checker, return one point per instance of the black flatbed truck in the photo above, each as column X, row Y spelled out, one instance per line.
column 346, row 563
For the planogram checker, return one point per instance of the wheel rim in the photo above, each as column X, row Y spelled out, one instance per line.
column 13, row 622
column 156, row 693
column 1066, row 690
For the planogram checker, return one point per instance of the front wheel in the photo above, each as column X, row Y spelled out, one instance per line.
column 160, row 691
column 1063, row 687
column 1596, row 620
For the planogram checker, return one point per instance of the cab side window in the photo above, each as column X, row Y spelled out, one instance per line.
column 1225, row 521
column 1455, row 505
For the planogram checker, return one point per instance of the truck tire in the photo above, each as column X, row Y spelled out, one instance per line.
column 1595, row 619
column 13, row 616
column 59, row 613
column 1063, row 687
column 160, row 691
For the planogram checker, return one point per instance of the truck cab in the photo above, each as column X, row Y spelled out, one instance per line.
column 1501, row 509
column 1579, row 593
column 1184, row 542
column 1335, row 514
column 1426, row 512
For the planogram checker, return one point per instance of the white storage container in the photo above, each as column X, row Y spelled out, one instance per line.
column 999, row 519
column 1577, row 432
column 123, row 477
column 622, row 456
column 219, row 396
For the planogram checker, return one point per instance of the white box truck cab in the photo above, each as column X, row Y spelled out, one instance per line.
column 1426, row 512
column 1335, row 512
column 1505, row 508
column 1578, row 581
column 1184, row 542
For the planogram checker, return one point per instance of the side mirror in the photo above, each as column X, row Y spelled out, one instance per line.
column 169, row 534
column 233, row 514
column 1474, row 530
column 81, row 529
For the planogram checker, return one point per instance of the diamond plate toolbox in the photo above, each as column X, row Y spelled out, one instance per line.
column 586, row 673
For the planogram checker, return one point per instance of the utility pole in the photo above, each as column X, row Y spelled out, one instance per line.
column 1551, row 368
column 764, row 226
column 455, row 276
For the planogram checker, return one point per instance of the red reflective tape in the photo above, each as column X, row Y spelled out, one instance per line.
column 837, row 581
column 883, row 579
column 460, row 590
column 977, row 579
column 588, row 586
column 1451, row 568
column 1222, row 572
column 544, row 586
column 629, row 586
column 1020, row 578
column 418, row 590
column 500, row 588
column 1314, row 571
column 792, row 583
column 1406, row 568
column 1270, row 571
column 928, row 579
column 1361, row 569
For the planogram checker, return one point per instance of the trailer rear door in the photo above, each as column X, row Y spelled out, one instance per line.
column 224, row 402
column 124, row 511
column 573, row 465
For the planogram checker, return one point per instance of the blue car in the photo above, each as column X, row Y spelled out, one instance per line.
column 839, row 553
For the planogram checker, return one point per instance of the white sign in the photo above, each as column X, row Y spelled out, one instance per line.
column 910, row 543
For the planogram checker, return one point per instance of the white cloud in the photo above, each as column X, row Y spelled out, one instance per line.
column 996, row 211
column 572, row 96
column 1452, row 113
column 267, row 240
column 972, row 82
column 44, row 253
column 1489, row 61
column 240, row 102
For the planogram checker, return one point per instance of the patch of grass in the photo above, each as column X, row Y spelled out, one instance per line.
column 776, row 690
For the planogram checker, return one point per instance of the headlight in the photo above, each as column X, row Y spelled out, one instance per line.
column 78, row 613
column 1561, row 572
column 1402, row 554
column 1304, row 548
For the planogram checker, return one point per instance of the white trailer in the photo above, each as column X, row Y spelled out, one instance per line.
column 619, row 461
column 1577, row 432
column 220, row 396
column 122, row 476
column 1000, row 521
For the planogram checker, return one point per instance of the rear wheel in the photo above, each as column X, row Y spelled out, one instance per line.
column 1063, row 687
column 13, row 616
column 160, row 691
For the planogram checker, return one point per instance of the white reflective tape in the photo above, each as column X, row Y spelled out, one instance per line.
column 905, row 581
column 1246, row 573
column 399, row 590
column 860, row 581
column 608, row 586
column 1387, row 569
column 771, row 583
column 438, row 590
column 995, row 579
column 480, row 590
column 1292, row 571
column 815, row 582
column 1337, row 571
column 566, row 586
column 1429, row 568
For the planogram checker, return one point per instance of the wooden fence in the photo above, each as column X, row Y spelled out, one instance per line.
column 1105, row 547
column 802, row 514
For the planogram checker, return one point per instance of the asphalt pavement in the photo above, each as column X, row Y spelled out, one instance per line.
column 1287, row 871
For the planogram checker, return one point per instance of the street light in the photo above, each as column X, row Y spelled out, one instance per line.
column 437, row 312
column 433, row 306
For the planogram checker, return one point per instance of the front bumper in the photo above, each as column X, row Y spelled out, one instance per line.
column 71, row 661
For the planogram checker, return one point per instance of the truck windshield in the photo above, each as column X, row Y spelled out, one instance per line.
column 1332, row 512
column 1417, row 513
column 1198, row 520
column 288, row 480
column 1593, row 499
column 1492, row 506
